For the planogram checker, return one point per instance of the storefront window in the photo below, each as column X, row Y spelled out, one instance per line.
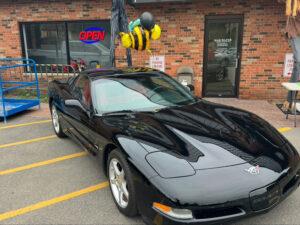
column 44, row 43
column 92, row 54
column 48, row 43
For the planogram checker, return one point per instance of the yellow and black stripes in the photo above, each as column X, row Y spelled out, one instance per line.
column 147, row 39
column 139, row 39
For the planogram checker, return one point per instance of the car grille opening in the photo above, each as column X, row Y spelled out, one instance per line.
column 214, row 213
column 265, row 197
column 291, row 183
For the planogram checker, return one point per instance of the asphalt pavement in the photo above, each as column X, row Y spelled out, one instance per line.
column 47, row 180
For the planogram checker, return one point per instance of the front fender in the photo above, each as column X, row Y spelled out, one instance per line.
column 136, row 155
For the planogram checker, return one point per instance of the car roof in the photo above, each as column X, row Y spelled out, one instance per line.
column 95, row 74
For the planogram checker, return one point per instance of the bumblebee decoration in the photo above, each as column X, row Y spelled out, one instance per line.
column 141, row 31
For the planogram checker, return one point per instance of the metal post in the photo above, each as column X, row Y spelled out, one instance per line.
column 25, row 45
column 30, row 75
column 37, row 84
column 41, row 71
column 295, row 111
column 51, row 66
column 46, row 71
column 2, row 99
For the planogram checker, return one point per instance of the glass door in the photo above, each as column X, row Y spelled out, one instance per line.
column 222, row 53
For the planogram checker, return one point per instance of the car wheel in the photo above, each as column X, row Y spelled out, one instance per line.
column 121, row 183
column 55, row 121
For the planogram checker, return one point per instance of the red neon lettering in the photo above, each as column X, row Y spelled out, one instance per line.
column 95, row 35
column 89, row 34
column 101, row 35
column 82, row 36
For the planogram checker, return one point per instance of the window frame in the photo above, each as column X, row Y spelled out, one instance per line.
column 66, row 22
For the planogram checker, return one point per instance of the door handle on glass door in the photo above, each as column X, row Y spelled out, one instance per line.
column 236, row 62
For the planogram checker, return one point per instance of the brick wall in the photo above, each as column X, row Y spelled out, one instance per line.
column 182, row 40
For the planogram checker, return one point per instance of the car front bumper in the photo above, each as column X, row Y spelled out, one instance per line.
column 259, row 201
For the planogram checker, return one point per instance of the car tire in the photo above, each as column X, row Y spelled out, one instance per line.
column 121, row 180
column 56, row 123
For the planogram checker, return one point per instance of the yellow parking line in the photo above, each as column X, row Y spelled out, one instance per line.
column 284, row 129
column 52, row 201
column 28, row 141
column 25, row 124
column 43, row 163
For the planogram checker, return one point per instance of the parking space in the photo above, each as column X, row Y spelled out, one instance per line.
column 47, row 180
column 44, row 179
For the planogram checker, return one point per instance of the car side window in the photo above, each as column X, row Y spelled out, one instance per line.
column 82, row 91
column 161, row 82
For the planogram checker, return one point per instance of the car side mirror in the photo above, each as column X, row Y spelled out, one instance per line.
column 190, row 87
column 73, row 102
column 76, row 103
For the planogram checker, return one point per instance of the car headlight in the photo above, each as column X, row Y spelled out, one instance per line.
column 183, row 214
column 167, row 165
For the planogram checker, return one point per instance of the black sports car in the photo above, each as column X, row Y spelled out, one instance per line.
column 172, row 157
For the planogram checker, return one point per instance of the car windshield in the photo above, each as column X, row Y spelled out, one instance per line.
column 139, row 92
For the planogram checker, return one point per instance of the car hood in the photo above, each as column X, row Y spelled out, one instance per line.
column 204, row 134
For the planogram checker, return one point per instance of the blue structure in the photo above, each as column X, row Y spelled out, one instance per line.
column 12, row 106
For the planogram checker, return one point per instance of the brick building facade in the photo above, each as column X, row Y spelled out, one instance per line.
column 182, row 42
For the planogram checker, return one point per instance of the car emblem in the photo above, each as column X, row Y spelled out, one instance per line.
column 254, row 170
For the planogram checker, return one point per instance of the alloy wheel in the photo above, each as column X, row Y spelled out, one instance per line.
column 55, row 120
column 118, row 183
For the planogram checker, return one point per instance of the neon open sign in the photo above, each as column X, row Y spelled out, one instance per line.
column 92, row 35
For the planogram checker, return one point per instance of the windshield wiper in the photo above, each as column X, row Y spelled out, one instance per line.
column 118, row 112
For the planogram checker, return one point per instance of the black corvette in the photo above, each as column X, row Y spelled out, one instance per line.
column 172, row 157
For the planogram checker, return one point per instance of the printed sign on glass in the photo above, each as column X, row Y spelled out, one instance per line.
column 157, row 62
column 92, row 35
column 288, row 65
column 223, row 42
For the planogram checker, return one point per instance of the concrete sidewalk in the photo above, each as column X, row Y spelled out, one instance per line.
column 262, row 108
column 44, row 112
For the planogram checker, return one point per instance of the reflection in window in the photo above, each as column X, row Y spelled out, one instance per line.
column 144, row 92
column 82, row 91
column 47, row 43
column 92, row 54
column 222, row 58
column 114, row 96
